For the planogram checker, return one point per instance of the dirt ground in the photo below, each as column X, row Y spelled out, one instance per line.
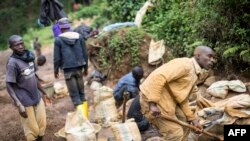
column 11, row 129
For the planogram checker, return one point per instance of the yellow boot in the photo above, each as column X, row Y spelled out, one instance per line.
column 85, row 109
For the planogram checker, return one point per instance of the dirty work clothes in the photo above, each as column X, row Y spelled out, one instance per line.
column 70, row 51
column 35, row 124
column 126, row 83
column 135, row 112
column 181, row 75
column 75, row 85
column 70, row 55
column 22, row 74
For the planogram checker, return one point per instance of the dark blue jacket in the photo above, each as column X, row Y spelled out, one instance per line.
column 131, row 84
column 70, row 52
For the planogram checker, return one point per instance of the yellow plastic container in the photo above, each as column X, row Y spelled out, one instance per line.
column 84, row 108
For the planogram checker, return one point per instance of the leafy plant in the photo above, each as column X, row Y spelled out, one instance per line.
column 120, row 44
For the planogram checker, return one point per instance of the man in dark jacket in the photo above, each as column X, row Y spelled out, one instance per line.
column 128, row 83
column 70, row 55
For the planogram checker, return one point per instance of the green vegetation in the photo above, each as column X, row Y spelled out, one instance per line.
column 222, row 24
column 119, row 44
column 18, row 17
column 45, row 36
column 97, row 10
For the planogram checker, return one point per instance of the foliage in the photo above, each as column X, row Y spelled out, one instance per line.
column 18, row 16
column 44, row 35
column 123, row 10
column 121, row 44
column 86, row 12
column 221, row 24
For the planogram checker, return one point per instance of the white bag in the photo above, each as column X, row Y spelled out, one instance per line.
column 237, row 86
column 156, row 52
column 106, row 112
column 219, row 89
column 78, row 128
column 102, row 94
column 142, row 12
column 127, row 131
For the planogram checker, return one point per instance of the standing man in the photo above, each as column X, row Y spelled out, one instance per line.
column 23, row 87
column 166, row 90
column 70, row 55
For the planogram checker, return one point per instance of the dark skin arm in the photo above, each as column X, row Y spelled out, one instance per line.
column 154, row 109
column 46, row 99
column 39, row 79
column 19, row 105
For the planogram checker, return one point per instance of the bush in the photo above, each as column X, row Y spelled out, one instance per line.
column 223, row 25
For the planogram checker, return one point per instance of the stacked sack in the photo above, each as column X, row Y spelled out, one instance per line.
column 127, row 131
column 104, row 105
column 61, row 90
column 220, row 89
column 78, row 128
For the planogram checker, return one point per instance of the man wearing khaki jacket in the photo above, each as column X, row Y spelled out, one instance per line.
column 180, row 75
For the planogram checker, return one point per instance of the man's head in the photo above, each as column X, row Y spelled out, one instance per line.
column 16, row 44
column 204, row 56
column 137, row 73
column 64, row 24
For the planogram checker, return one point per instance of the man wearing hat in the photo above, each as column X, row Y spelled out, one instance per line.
column 70, row 55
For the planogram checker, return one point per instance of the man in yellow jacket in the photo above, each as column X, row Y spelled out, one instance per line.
column 180, row 75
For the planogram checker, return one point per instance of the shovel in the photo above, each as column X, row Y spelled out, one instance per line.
column 188, row 125
column 125, row 99
column 192, row 127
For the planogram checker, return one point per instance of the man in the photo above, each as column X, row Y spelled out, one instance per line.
column 86, row 31
column 135, row 112
column 167, row 89
column 56, row 29
column 128, row 83
column 23, row 87
column 70, row 55
column 37, row 47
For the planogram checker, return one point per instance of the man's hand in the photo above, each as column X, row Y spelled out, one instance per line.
column 85, row 72
column 154, row 109
column 56, row 74
column 47, row 100
column 196, row 123
column 22, row 111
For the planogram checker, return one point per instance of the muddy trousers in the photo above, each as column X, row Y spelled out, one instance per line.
column 35, row 124
column 171, row 131
column 75, row 85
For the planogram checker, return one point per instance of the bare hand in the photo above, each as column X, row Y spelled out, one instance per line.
column 22, row 111
column 154, row 110
column 47, row 100
column 196, row 123
column 85, row 72
column 56, row 74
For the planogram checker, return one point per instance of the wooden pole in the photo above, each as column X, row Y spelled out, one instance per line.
column 125, row 98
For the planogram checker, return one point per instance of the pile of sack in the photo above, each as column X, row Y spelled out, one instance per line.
column 220, row 89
